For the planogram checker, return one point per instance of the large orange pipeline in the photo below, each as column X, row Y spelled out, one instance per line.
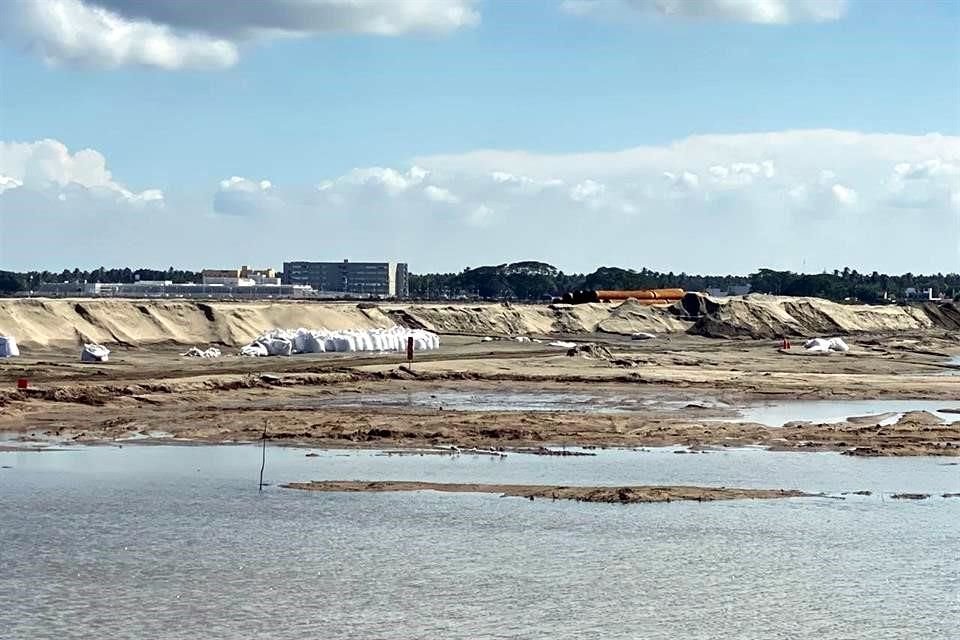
column 666, row 295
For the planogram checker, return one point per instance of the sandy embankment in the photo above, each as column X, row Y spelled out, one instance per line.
column 147, row 387
column 39, row 322
column 623, row 495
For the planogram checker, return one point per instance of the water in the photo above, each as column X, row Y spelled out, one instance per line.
column 953, row 361
column 774, row 413
column 490, row 400
column 174, row 542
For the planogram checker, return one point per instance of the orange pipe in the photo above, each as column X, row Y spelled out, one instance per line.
column 642, row 294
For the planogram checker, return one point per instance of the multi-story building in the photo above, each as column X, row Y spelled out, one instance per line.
column 242, row 277
column 389, row 279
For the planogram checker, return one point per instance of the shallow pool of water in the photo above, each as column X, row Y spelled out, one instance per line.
column 498, row 400
column 778, row 413
column 774, row 413
column 175, row 542
column 953, row 362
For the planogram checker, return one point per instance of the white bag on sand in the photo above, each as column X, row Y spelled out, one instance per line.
column 196, row 352
column 837, row 344
column 286, row 341
column 824, row 345
column 278, row 346
column 8, row 347
column 94, row 353
column 255, row 350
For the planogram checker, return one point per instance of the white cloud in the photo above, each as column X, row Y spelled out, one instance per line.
column 71, row 32
column 927, row 184
column 243, row 197
column 47, row 166
column 439, row 194
column 792, row 199
column 480, row 215
column 844, row 195
column 587, row 191
column 175, row 34
column 755, row 11
column 741, row 174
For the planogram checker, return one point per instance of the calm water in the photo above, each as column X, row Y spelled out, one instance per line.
column 774, row 413
column 174, row 542
column 523, row 400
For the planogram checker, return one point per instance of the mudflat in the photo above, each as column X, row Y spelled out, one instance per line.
column 623, row 495
column 679, row 385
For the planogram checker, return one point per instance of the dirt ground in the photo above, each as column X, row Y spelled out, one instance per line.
column 334, row 400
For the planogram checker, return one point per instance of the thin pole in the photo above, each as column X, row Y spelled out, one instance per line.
column 263, row 460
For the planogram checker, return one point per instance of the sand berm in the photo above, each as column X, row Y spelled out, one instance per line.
column 40, row 322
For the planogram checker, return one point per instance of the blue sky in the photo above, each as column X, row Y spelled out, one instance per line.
column 505, row 88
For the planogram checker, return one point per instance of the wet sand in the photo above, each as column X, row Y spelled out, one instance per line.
column 155, row 394
column 623, row 495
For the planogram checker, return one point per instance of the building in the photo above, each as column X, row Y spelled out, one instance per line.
column 735, row 290
column 912, row 293
column 386, row 279
column 167, row 289
column 242, row 277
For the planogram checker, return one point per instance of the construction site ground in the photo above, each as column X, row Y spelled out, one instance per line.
column 153, row 394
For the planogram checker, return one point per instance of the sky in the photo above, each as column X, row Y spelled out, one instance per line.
column 697, row 136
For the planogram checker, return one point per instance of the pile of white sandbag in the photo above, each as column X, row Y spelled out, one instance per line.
column 94, row 353
column 284, row 342
column 196, row 352
column 8, row 347
column 824, row 345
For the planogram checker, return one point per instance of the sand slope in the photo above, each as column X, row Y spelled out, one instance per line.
column 46, row 322
column 762, row 316
column 63, row 322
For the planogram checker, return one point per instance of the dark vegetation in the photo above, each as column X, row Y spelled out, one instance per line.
column 537, row 281
column 540, row 281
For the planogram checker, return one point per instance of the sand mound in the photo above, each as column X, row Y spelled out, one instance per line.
column 480, row 320
column 62, row 322
column 43, row 322
column 625, row 318
column 633, row 317
column 761, row 316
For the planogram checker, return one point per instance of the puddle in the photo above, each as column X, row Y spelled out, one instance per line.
column 953, row 362
column 777, row 414
column 488, row 400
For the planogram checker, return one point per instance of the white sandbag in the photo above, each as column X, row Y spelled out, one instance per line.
column 643, row 335
column 300, row 341
column 278, row 346
column 8, row 347
column 562, row 344
column 196, row 352
column 254, row 350
column 306, row 342
column 837, row 344
column 321, row 340
column 94, row 353
column 522, row 339
column 824, row 345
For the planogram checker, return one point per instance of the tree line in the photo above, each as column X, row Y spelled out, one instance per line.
column 14, row 282
column 538, row 281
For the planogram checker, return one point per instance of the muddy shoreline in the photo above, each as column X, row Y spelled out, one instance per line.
column 299, row 399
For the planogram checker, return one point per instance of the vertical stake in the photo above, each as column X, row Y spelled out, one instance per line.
column 263, row 460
